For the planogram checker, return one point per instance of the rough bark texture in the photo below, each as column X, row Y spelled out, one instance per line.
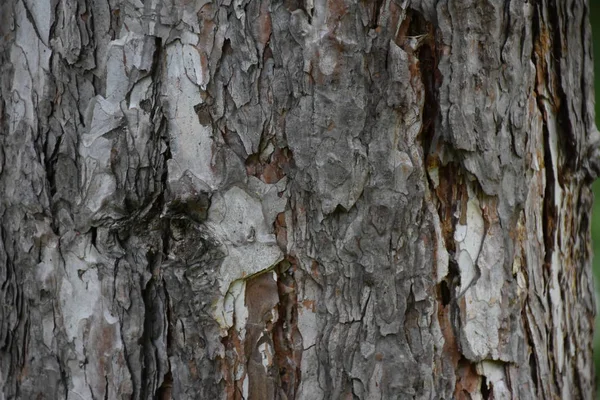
column 296, row 199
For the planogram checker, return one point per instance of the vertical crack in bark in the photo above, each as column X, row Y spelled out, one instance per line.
column 417, row 36
column 423, row 32
column 546, row 82
column 449, row 191
column 533, row 357
column 263, row 349
column 450, row 196
column 64, row 378
column 156, row 308
column 569, row 143
column 164, row 391
column 377, row 4
column 549, row 212
column 147, row 379
column 486, row 390
column 286, row 336
column 51, row 158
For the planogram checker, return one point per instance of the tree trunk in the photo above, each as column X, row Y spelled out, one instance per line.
column 296, row 199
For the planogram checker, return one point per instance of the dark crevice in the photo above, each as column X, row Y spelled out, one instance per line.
column 533, row 364
column 411, row 316
column 50, row 164
column 165, row 172
column 415, row 26
column 154, row 305
column 156, row 72
column 55, row 20
column 64, row 379
column 533, row 371
column 165, row 225
column 146, row 343
column 286, row 336
column 568, row 139
column 338, row 211
column 94, row 235
column 453, row 278
column 377, row 4
column 445, row 293
column 50, row 168
column 431, row 83
column 485, row 390
column 549, row 212
column 164, row 392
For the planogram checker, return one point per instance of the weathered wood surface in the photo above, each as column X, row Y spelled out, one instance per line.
column 296, row 199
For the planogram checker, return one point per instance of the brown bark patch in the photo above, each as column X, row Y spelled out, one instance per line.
column 269, row 353
column 468, row 381
column 235, row 357
column 272, row 169
column 337, row 10
column 286, row 335
column 261, row 299
column 280, row 228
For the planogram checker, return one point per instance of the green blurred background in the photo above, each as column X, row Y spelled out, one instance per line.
column 595, row 21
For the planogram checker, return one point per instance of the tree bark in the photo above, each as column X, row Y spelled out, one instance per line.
column 296, row 199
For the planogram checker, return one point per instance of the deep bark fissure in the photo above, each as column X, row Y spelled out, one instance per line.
column 452, row 176
column 377, row 4
column 163, row 392
column 146, row 338
column 485, row 390
column 150, row 357
column 533, row 368
column 165, row 389
column 416, row 26
column 533, row 356
column 64, row 378
column 571, row 158
column 426, row 52
column 286, row 337
column 449, row 196
column 50, row 163
column 549, row 212
column 563, row 151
